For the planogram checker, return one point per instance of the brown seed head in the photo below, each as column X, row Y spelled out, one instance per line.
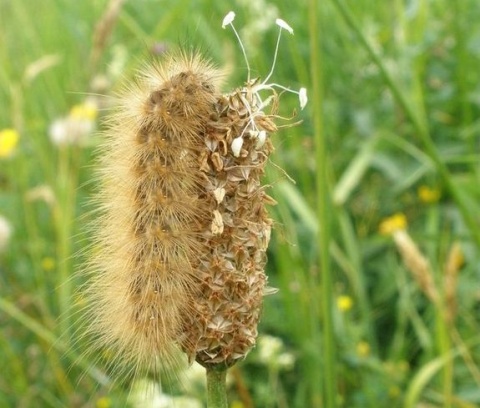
column 223, row 327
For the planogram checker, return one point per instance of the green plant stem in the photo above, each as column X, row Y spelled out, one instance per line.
column 216, row 387
column 63, row 217
column 324, row 211
column 460, row 20
column 444, row 348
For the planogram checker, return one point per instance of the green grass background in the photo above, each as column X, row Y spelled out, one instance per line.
column 394, row 105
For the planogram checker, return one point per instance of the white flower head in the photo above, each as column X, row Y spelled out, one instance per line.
column 286, row 361
column 237, row 144
column 269, row 348
column 5, row 232
column 228, row 19
column 70, row 131
column 146, row 393
column 302, row 97
column 283, row 24
column 75, row 128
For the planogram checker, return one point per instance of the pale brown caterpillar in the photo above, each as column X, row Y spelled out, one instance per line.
column 147, row 243
column 180, row 242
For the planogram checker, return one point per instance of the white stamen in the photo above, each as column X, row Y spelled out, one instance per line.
column 302, row 97
column 302, row 93
column 283, row 24
column 262, row 136
column 258, row 104
column 228, row 19
column 237, row 144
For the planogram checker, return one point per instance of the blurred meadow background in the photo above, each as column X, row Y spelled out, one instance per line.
column 376, row 250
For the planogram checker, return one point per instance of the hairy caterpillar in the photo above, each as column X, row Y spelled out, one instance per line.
column 147, row 236
column 180, row 241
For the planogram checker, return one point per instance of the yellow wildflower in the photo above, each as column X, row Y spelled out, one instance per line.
column 393, row 223
column 8, row 142
column 237, row 404
column 87, row 110
column 48, row 263
column 363, row 349
column 344, row 303
column 103, row 402
column 428, row 195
